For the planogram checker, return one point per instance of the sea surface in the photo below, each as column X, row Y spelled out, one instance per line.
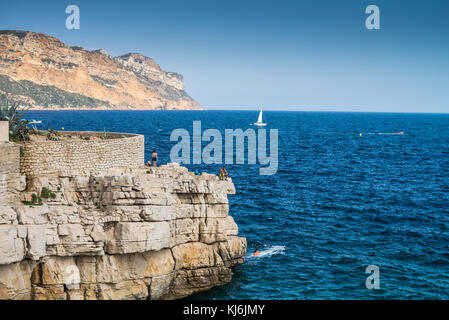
column 339, row 202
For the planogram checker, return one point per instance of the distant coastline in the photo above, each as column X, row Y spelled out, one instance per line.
column 40, row 70
column 109, row 109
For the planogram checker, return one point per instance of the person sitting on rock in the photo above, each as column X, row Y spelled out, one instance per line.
column 223, row 175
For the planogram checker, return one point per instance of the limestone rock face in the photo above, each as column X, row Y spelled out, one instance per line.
column 40, row 71
column 141, row 233
column 10, row 180
column 132, row 237
column 12, row 247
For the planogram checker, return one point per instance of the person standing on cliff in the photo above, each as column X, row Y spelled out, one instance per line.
column 154, row 158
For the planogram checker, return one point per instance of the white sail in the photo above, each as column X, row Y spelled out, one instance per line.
column 260, row 117
column 259, row 122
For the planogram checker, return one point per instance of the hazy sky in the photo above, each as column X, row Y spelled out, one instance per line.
column 295, row 55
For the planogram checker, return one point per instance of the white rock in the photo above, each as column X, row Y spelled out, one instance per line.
column 52, row 234
column 33, row 214
column 21, row 184
column 131, row 237
column 97, row 233
column 157, row 213
column 7, row 215
column 37, row 240
column 12, row 248
column 22, row 231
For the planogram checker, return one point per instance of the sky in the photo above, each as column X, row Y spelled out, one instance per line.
column 314, row 55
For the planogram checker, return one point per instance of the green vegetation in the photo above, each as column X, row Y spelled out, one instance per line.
column 35, row 198
column 48, row 96
column 47, row 193
column 166, row 91
column 18, row 127
column 20, row 34
column 106, row 134
column 35, row 201
column 103, row 81
column 52, row 135
column 61, row 65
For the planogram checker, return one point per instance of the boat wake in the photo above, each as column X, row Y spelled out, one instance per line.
column 386, row 133
column 268, row 251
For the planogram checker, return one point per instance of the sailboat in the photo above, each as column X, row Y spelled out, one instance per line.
column 259, row 122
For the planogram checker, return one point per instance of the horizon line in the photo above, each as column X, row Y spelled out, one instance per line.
column 253, row 109
column 309, row 110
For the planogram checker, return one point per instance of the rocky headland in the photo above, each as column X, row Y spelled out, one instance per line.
column 42, row 72
column 126, row 232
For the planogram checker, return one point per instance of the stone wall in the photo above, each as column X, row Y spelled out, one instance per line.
column 50, row 157
column 4, row 131
column 140, row 233
column 10, row 179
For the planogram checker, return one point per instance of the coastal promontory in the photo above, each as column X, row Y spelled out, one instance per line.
column 76, row 223
column 41, row 72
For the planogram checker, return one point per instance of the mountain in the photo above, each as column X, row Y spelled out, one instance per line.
column 40, row 71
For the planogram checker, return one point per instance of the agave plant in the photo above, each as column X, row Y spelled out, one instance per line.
column 18, row 127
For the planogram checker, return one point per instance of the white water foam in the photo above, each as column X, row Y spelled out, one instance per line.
column 268, row 251
column 385, row 133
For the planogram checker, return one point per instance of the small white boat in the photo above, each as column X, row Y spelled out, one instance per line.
column 259, row 122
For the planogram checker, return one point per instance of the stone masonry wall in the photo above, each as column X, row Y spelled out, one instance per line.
column 50, row 157
column 10, row 179
column 4, row 131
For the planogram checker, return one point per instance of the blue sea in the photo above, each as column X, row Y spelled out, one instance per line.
column 338, row 203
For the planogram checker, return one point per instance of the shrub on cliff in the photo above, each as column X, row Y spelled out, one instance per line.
column 18, row 127
column 47, row 193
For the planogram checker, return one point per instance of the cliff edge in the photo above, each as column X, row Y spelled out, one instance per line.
column 121, row 233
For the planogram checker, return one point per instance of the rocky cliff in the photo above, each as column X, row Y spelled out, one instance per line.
column 40, row 71
column 138, row 233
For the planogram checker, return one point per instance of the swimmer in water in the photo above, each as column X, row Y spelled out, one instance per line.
column 256, row 253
